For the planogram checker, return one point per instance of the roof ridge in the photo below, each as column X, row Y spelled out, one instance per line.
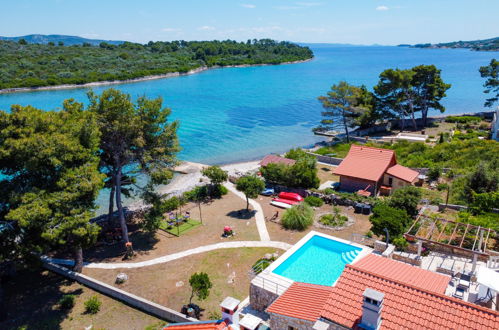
column 410, row 286
column 374, row 148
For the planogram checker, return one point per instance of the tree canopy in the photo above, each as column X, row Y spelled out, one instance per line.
column 50, row 179
column 200, row 285
column 343, row 106
column 491, row 72
column 135, row 138
column 46, row 65
column 251, row 186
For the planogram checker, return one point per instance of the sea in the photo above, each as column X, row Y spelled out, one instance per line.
column 238, row 114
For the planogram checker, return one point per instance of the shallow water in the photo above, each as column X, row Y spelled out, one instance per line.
column 238, row 114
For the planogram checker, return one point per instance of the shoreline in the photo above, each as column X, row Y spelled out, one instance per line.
column 141, row 79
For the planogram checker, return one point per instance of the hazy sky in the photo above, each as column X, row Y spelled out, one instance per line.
column 335, row 21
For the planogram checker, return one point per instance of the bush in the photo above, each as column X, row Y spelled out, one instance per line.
column 385, row 216
column 442, row 186
column 67, row 301
column 401, row 243
column 407, row 199
column 329, row 191
column 463, row 119
column 335, row 219
column 434, row 173
column 92, row 305
column 299, row 217
column 314, row 201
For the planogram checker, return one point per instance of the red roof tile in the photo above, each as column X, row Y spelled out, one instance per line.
column 404, row 306
column 301, row 300
column 366, row 162
column 404, row 273
column 202, row 325
column 403, row 173
column 276, row 160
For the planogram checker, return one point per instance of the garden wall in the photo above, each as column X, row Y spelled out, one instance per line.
column 148, row 306
column 327, row 159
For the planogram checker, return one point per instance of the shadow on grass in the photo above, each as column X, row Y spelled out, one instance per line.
column 242, row 214
column 31, row 300
column 143, row 242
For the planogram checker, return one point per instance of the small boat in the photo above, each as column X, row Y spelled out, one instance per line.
column 290, row 196
column 281, row 205
column 286, row 201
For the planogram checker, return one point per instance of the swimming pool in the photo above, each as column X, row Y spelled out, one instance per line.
column 320, row 260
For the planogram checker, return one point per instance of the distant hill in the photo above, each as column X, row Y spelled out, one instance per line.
column 55, row 38
column 479, row 45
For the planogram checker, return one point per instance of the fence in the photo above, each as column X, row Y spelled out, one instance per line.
column 148, row 306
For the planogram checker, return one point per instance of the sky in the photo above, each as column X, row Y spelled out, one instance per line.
column 386, row 22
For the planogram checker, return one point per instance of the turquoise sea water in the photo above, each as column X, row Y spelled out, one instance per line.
column 318, row 261
column 237, row 114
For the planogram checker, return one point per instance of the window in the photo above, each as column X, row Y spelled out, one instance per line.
column 292, row 328
column 390, row 181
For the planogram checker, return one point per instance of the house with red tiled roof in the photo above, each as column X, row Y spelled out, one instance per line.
column 378, row 293
column 372, row 171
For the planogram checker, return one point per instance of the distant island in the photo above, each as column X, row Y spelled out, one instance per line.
column 32, row 65
column 478, row 45
column 59, row 38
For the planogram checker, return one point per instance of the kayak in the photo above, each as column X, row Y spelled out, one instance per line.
column 286, row 201
column 280, row 204
column 290, row 196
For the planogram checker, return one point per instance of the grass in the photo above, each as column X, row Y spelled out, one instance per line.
column 184, row 227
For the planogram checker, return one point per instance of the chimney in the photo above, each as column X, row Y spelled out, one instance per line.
column 371, row 309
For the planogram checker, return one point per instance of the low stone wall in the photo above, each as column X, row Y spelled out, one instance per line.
column 326, row 159
column 407, row 259
column 379, row 246
column 281, row 322
column 260, row 298
column 128, row 298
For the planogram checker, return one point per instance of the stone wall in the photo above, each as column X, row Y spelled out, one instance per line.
column 380, row 246
column 135, row 301
column 326, row 159
column 413, row 260
column 281, row 322
column 260, row 298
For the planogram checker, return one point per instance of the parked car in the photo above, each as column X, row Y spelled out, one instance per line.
column 267, row 192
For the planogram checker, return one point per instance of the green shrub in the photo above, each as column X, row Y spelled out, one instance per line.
column 67, row 301
column 328, row 191
column 314, row 201
column 385, row 216
column 434, row 172
column 401, row 243
column 335, row 219
column 92, row 305
column 442, row 186
column 299, row 217
column 407, row 199
column 463, row 119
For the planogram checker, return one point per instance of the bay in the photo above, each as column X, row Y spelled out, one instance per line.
column 237, row 114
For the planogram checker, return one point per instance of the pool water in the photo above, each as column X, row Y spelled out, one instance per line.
column 319, row 261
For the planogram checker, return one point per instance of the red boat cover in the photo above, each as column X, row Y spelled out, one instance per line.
column 290, row 196
column 286, row 201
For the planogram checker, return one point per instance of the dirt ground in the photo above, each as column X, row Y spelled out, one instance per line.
column 227, row 211
column 277, row 233
column 325, row 173
column 168, row 283
column 31, row 303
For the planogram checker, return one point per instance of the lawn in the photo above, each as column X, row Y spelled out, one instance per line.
column 31, row 303
column 168, row 283
column 179, row 230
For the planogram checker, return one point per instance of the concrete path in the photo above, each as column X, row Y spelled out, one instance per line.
column 174, row 256
column 260, row 218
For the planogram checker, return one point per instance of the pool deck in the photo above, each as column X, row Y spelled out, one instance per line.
column 277, row 284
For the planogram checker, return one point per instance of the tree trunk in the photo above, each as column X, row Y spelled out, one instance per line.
column 78, row 256
column 424, row 116
column 346, row 127
column 247, row 203
column 192, row 296
column 200, row 215
column 414, row 121
column 124, row 229
column 111, row 203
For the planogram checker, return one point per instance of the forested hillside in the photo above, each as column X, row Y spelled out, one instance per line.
column 35, row 65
